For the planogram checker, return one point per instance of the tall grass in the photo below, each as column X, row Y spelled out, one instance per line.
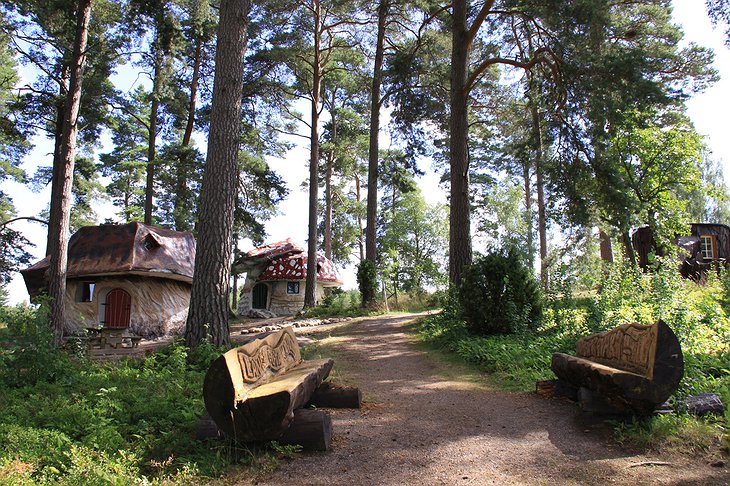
column 66, row 420
column 697, row 313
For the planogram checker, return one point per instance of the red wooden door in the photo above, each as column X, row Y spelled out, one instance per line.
column 117, row 309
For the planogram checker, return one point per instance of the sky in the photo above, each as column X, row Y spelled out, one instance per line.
column 708, row 111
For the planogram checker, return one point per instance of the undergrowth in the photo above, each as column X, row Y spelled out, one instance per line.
column 698, row 314
column 67, row 420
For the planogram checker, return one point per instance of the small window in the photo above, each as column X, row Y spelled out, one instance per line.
column 150, row 242
column 86, row 291
column 707, row 246
column 292, row 287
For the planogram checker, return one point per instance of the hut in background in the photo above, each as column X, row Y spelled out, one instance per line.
column 707, row 244
column 276, row 278
column 131, row 276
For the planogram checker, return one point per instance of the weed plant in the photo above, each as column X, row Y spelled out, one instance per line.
column 67, row 420
column 696, row 312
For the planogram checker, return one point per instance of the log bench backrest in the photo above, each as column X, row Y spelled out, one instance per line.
column 630, row 347
column 258, row 361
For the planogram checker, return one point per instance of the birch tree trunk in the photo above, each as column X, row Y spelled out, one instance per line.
column 209, row 311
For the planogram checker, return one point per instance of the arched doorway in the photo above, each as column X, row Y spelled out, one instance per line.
column 117, row 309
column 259, row 296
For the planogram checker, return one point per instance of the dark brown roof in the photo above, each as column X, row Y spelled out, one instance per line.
column 130, row 249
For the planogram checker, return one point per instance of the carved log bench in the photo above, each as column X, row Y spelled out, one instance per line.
column 634, row 368
column 253, row 392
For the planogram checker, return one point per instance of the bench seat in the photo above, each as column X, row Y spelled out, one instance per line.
column 252, row 392
column 634, row 368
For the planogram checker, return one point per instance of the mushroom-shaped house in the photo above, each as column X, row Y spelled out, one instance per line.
column 276, row 278
column 124, row 276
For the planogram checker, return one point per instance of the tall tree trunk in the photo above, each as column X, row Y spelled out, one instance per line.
column 371, row 213
column 190, row 124
column 628, row 247
column 58, row 234
column 460, row 253
column 373, row 150
column 327, row 236
column 528, row 212
column 57, row 158
column 311, row 283
column 360, row 240
column 234, row 291
column 605, row 245
column 540, row 187
column 209, row 310
column 152, row 138
column 181, row 175
column 329, row 170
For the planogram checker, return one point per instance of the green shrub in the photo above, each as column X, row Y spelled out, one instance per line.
column 29, row 354
column 499, row 295
column 695, row 312
column 367, row 281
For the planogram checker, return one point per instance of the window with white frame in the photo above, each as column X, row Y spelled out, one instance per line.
column 707, row 246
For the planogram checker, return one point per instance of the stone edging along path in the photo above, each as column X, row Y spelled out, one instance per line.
column 427, row 422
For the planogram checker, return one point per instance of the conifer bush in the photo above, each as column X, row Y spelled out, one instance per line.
column 367, row 280
column 499, row 295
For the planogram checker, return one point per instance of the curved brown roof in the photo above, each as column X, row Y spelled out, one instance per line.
column 129, row 249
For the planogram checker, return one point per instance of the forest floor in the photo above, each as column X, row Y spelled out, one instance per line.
column 427, row 421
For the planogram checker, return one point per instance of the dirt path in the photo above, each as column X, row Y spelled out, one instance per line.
column 424, row 423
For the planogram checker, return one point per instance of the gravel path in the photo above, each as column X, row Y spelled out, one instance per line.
column 424, row 422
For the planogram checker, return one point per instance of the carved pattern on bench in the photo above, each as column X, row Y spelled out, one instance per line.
column 267, row 358
column 251, row 392
column 632, row 368
column 629, row 347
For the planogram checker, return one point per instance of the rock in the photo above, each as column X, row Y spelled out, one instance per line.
column 260, row 314
column 704, row 404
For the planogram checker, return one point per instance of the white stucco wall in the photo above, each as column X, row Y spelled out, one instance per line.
column 279, row 301
column 159, row 307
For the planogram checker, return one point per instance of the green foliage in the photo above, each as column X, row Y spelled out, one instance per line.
column 72, row 421
column 499, row 295
column 30, row 355
column 677, row 432
column 367, row 281
column 411, row 241
column 697, row 313
column 339, row 303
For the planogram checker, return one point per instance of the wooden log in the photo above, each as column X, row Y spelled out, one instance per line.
column 556, row 389
column 329, row 395
column 207, row 428
column 311, row 429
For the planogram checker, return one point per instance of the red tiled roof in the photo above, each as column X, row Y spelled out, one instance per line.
column 287, row 260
